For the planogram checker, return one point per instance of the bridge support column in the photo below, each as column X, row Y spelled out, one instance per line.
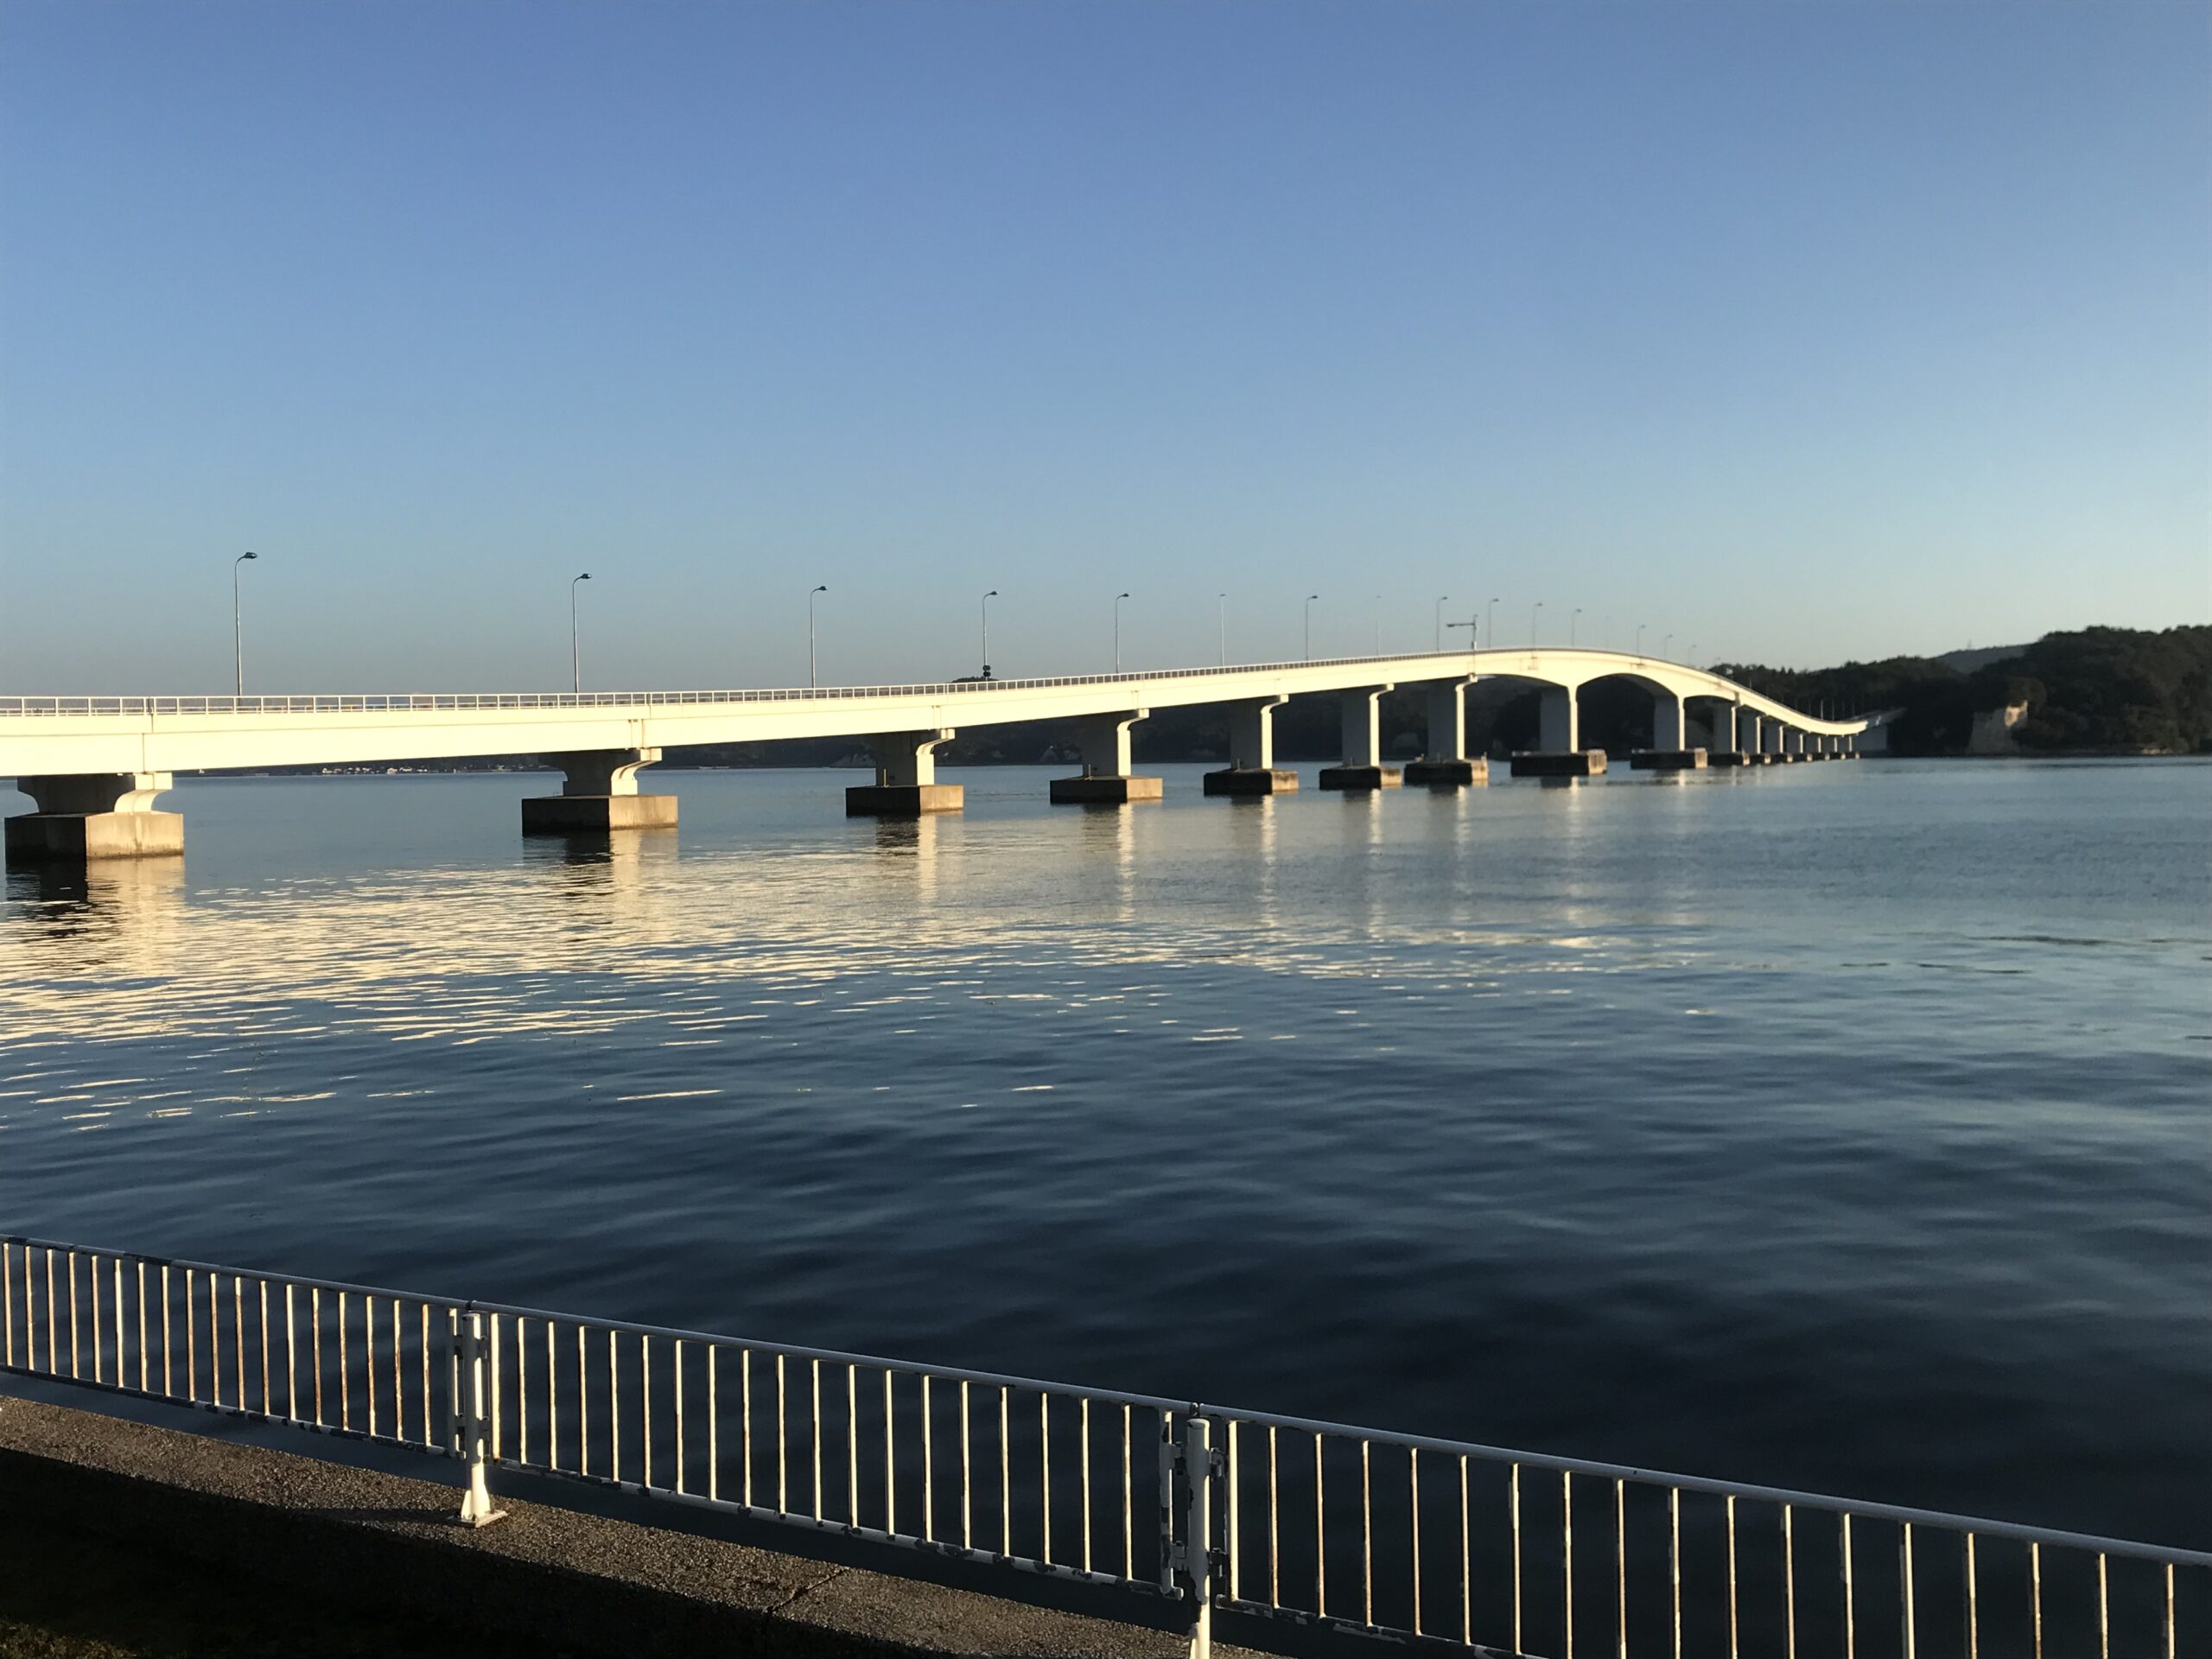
column 1793, row 744
column 1727, row 735
column 1770, row 736
column 1559, row 752
column 1251, row 769
column 1106, row 781
column 81, row 816
column 1362, row 767
column 1669, row 752
column 906, row 783
column 1445, row 763
column 599, row 792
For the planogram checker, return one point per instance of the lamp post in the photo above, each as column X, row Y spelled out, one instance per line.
column 237, row 628
column 1490, row 623
column 1666, row 649
column 1440, row 598
column 1639, row 638
column 576, row 656
column 1221, row 620
column 1378, row 625
column 987, row 598
column 1534, row 611
column 1118, row 598
column 1574, row 626
column 810, row 680
column 1309, row 598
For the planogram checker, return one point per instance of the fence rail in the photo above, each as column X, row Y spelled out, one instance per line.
column 1275, row 1519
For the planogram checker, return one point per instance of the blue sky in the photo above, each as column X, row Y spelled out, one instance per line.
column 1797, row 331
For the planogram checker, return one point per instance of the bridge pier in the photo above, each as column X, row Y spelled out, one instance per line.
column 1362, row 767
column 1670, row 750
column 906, row 783
column 1445, row 763
column 1106, row 780
column 599, row 793
column 1251, row 769
column 81, row 816
column 1559, row 752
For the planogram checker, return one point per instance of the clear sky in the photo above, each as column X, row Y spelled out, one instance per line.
column 1797, row 331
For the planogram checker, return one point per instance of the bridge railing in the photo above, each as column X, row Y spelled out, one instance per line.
column 385, row 703
column 1273, row 1521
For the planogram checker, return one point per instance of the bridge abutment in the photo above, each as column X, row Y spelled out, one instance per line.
column 1106, row 779
column 906, row 783
column 599, row 793
column 82, row 817
column 1251, row 769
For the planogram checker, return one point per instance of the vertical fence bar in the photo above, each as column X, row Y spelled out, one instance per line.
column 100, row 1330
column 425, row 1340
column 1128, row 1504
column 1320, row 1537
column 928, row 1467
column 1413, row 1497
column 1732, row 1576
column 677, row 1388
column 1367, row 1533
column 191, row 1330
column 1567, row 1552
column 783, row 1504
column 552, row 1403
column 1620, row 1559
column 267, row 1408
column 238, row 1337
column 966, row 1481
column 1789, row 1581
column 818, row 1440
column 291, row 1346
column 853, row 1445
column 1083, row 1424
column 1675, row 1560
column 1045, row 1472
column 2104, row 1613
column 1515, row 1494
column 645, row 1408
column 398, row 1395
column 1006, row 1474
column 345, row 1371
column 369, row 1358
column 2034, row 1592
column 522, row 1390
column 315, row 1337
column 1843, row 1549
column 8, row 1302
column 1467, row 1564
column 613, row 1411
column 890, row 1463
column 1973, row 1608
column 143, row 1368
column 1904, row 1591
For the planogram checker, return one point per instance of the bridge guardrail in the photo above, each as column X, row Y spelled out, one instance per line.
column 379, row 703
column 1273, row 1521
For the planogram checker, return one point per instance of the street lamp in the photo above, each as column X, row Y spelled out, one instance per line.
column 1666, row 649
column 811, row 679
column 1221, row 618
column 237, row 631
column 1118, row 598
column 1534, row 611
column 987, row 598
column 1439, row 621
column 1639, row 638
column 1490, row 623
column 576, row 658
column 1573, row 624
column 1309, row 598
column 1378, row 625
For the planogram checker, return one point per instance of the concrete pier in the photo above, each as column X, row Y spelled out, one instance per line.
column 1106, row 779
column 906, row 783
column 1251, row 780
column 599, row 792
column 1361, row 777
column 1362, row 767
column 1667, row 759
column 1446, row 774
column 1559, row 763
column 85, row 817
column 1104, row 790
column 1730, row 757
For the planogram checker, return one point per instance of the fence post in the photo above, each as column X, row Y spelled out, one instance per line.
column 476, row 1509
column 1200, row 1467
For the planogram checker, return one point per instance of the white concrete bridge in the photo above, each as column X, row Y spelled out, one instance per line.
column 94, row 766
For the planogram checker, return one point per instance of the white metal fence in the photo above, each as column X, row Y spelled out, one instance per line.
column 1273, row 1521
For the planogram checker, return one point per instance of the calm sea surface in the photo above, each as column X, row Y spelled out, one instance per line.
column 1844, row 1127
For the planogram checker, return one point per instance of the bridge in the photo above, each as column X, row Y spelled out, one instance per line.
column 95, row 766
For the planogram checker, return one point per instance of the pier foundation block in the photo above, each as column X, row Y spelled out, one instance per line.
column 561, row 815
column 88, row 815
column 1095, row 790
column 1361, row 777
column 1667, row 759
column 1446, row 774
column 903, row 800
column 1251, row 780
column 1559, row 763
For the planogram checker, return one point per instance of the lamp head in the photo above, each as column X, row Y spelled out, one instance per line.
column 243, row 556
column 823, row 588
column 586, row 577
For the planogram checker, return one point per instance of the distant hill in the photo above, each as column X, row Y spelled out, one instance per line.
column 1972, row 660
